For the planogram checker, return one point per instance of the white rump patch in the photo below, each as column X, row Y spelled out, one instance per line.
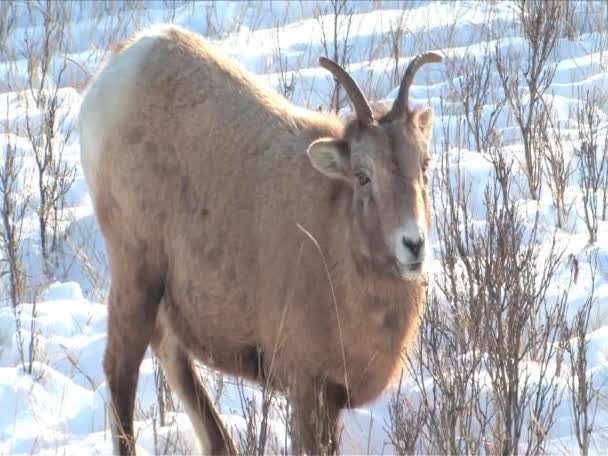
column 106, row 102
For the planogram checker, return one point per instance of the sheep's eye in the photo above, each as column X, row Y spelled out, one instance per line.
column 363, row 179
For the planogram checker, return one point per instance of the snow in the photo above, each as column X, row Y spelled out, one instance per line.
column 59, row 407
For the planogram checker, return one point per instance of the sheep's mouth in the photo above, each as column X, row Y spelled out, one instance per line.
column 410, row 270
column 415, row 267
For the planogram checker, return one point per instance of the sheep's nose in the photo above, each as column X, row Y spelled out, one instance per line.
column 414, row 246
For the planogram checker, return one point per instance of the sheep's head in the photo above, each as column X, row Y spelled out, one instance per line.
column 384, row 161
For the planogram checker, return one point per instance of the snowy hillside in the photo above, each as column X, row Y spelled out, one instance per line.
column 52, row 387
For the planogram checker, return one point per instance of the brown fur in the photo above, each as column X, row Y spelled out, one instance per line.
column 199, row 194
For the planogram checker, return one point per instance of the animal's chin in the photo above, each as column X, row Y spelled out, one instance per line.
column 411, row 271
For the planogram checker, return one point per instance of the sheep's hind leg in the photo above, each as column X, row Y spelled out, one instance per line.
column 132, row 308
column 181, row 376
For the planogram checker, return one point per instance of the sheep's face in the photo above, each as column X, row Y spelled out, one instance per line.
column 385, row 165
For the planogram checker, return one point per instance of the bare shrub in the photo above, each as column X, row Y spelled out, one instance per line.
column 540, row 21
column 335, row 47
column 256, row 439
column 28, row 349
column 170, row 440
column 475, row 91
column 405, row 421
column 506, row 294
column 584, row 395
column 287, row 80
column 33, row 345
column 164, row 398
column 13, row 208
column 569, row 25
column 43, row 126
column 592, row 165
column 557, row 164
column 93, row 261
column 7, row 24
column 397, row 31
column 218, row 381
column 573, row 262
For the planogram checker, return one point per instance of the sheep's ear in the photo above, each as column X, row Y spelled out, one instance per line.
column 331, row 157
column 424, row 120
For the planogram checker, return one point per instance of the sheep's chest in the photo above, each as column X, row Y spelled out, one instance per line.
column 379, row 341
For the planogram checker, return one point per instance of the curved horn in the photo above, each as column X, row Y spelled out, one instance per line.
column 400, row 106
column 364, row 112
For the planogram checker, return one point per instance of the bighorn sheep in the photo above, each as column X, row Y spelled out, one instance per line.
column 268, row 241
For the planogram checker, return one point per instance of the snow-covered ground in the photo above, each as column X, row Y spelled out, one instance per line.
column 58, row 406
